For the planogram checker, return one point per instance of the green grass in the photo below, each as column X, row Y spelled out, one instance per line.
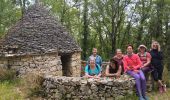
column 8, row 91
column 155, row 95
column 13, row 88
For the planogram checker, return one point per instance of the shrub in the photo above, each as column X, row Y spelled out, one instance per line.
column 166, row 77
column 7, row 74
column 31, row 84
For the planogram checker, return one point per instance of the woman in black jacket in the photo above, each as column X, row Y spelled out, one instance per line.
column 157, row 63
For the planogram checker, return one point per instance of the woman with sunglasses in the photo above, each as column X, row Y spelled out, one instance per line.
column 157, row 63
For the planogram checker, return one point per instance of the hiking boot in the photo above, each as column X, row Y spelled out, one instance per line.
column 160, row 89
column 164, row 88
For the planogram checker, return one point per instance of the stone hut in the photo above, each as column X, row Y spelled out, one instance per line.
column 37, row 42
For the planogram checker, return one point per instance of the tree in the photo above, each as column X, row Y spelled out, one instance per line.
column 85, row 29
column 9, row 14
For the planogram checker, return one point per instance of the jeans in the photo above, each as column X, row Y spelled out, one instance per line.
column 140, row 82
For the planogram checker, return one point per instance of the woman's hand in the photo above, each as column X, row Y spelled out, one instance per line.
column 117, row 75
column 96, row 76
column 130, row 68
column 136, row 71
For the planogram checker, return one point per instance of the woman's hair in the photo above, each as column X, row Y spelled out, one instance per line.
column 159, row 47
column 129, row 45
column 118, row 50
column 112, row 60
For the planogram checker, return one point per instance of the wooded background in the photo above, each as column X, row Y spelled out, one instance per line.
column 104, row 24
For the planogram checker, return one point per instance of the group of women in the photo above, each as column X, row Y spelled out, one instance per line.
column 135, row 65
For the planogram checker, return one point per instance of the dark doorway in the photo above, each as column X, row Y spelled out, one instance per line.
column 66, row 65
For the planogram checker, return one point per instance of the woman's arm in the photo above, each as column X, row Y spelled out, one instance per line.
column 160, row 55
column 148, row 60
column 139, row 63
column 126, row 67
column 108, row 73
column 99, row 75
column 119, row 70
column 89, row 76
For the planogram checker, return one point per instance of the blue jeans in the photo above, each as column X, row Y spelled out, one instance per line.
column 140, row 82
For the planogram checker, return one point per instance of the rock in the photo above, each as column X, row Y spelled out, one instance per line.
column 68, row 95
column 84, row 81
column 94, row 87
column 109, row 98
column 110, row 83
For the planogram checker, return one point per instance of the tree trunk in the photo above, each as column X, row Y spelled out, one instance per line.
column 22, row 5
column 113, row 34
column 85, row 29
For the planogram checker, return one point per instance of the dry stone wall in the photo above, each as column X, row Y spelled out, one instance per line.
column 80, row 88
column 75, row 64
column 47, row 64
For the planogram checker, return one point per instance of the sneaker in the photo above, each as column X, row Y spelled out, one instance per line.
column 164, row 88
column 160, row 89
column 146, row 98
column 141, row 98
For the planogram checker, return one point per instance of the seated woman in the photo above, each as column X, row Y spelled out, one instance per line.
column 132, row 65
column 145, row 58
column 113, row 69
column 92, row 70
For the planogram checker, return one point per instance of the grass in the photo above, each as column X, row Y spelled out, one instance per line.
column 8, row 91
column 13, row 88
column 6, row 74
column 155, row 95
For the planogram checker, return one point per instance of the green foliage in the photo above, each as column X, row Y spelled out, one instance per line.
column 31, row 85
column 9, row 14
column 130, row 97
column 110, row 24
column 134, row 22
column 22, row 88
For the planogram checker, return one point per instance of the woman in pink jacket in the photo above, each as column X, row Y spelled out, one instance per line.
column 132, row 65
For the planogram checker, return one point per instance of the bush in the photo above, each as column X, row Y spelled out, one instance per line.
column 31, row 84
column 166, row 77
column 7, row 74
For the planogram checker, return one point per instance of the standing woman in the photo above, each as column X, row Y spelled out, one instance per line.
column 132, row 65
column 157, row 64
column 98, row 59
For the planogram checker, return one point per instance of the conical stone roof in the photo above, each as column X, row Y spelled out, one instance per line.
column 38, row 32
